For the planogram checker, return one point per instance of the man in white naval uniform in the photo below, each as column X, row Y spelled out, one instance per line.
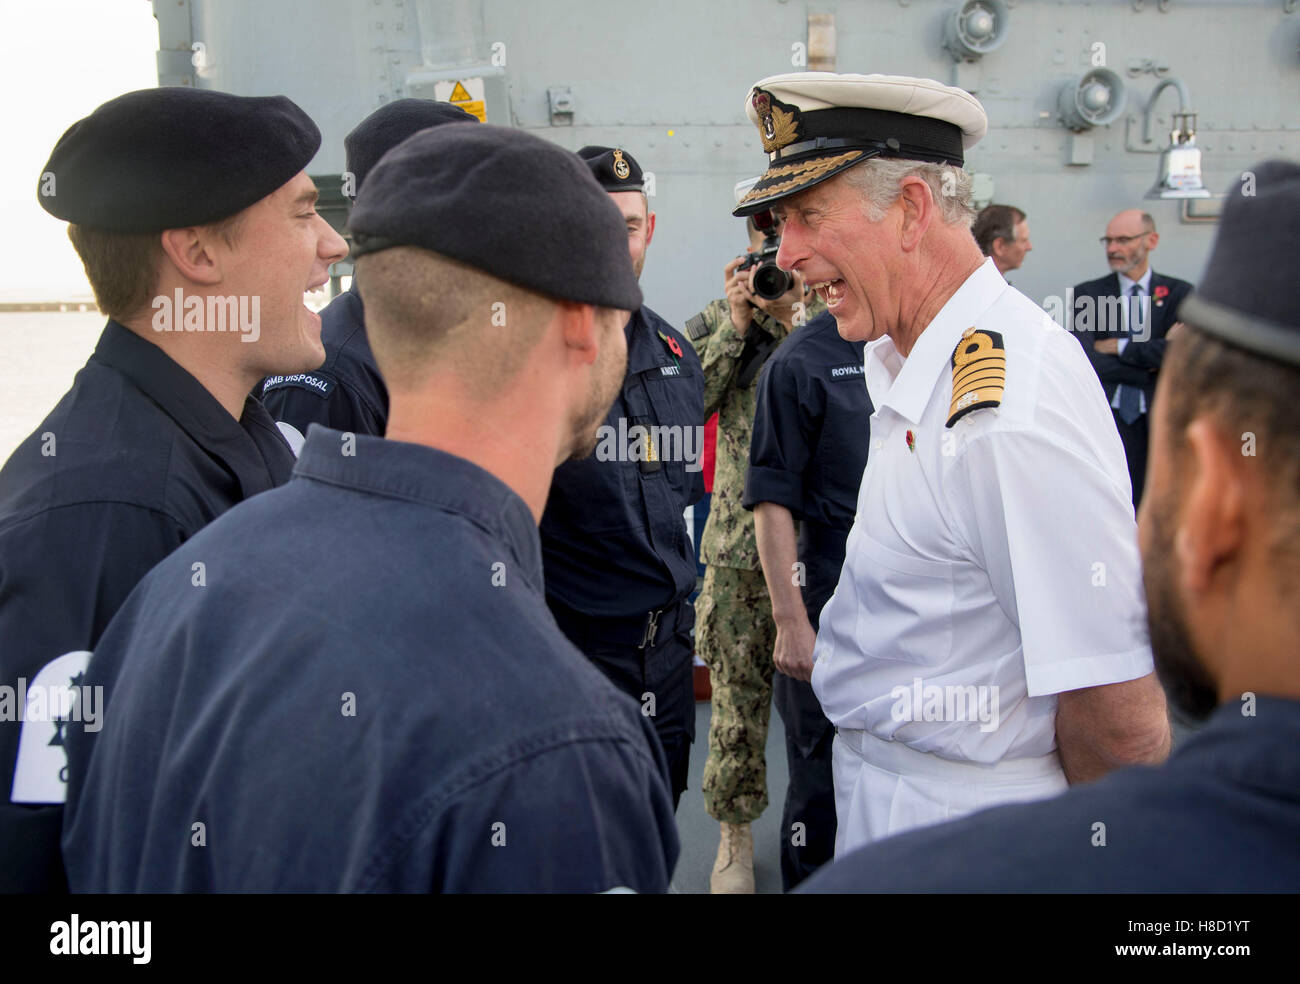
column 986, row 643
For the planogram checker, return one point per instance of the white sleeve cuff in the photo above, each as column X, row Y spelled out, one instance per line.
column 1122, row 343
column 1088, row 671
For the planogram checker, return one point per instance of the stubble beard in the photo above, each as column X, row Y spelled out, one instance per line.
column 605, row 385
column 1180, row 668
column 1128, row 266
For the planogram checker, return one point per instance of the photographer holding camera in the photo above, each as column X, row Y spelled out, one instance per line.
column 735, row 633
column 754, row 281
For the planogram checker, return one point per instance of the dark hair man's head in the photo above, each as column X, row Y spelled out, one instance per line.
column 202, row 195
column 1220, row 521
column 1002, row 232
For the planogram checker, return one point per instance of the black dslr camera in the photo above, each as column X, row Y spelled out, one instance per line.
column 770, row 281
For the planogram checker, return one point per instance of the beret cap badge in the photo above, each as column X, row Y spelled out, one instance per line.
column 621, row 168
column 615, row 168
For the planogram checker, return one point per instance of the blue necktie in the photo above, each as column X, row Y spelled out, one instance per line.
column 1130, row 397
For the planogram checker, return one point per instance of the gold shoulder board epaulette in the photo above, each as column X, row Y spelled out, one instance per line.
column 979, row 373
column 697, row 327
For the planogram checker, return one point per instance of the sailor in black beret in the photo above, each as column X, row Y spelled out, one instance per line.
column 193, row 215
column 619, row 560
column 448, row 189
column 408, row 575
column 172, row 157
column 347, row 392
column 619, row 174
column 388, row 126
column 614, row 168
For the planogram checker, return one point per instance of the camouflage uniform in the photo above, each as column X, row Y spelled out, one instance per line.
column 735, row 633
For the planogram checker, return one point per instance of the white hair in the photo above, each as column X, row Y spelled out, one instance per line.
column 880, row 181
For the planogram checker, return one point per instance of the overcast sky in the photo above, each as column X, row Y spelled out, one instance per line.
column 59, row 59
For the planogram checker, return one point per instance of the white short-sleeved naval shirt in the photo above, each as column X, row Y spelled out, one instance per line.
column 999, row 553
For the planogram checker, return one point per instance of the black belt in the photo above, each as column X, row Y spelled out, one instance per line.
column 639, row 630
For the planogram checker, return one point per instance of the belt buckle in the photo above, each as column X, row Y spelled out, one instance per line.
column 651, row 629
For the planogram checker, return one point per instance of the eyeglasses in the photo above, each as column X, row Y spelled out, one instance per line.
column 1119, row 240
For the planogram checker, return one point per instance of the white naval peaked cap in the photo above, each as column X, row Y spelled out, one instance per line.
column 815, row 124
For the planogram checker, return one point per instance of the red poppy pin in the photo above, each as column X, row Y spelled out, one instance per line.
column 1160, row 293
column 911, row 442
column 673, row 345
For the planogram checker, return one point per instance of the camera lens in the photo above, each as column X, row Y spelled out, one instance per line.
column 770, row 281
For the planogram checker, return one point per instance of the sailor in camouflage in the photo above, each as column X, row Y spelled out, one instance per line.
column 734, row 629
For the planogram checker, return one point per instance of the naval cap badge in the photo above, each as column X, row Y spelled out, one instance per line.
column 778, row 125
column 763, row 106
column 621, row 169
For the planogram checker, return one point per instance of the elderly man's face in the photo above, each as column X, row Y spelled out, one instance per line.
column 1012, row 251
column 843, row 256
column 1128, row 241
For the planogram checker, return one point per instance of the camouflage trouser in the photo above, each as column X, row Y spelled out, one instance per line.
column 734, row 635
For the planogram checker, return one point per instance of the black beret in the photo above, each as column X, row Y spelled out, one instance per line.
column 506, row 202
column 389, row 125
column 1247, row 295
column 614, row 168
column 171, row 157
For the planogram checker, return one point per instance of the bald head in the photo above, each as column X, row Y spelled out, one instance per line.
column 1133, row 219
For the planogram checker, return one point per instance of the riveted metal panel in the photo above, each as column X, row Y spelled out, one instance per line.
column 668, row 81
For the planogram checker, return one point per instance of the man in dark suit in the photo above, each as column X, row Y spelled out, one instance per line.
column 1122, row 321
column 1223, row 597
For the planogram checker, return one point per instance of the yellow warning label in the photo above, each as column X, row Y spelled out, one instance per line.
column 468, row 94
column 475, row 108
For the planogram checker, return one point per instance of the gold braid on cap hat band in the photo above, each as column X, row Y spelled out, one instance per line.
column 801, row 171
